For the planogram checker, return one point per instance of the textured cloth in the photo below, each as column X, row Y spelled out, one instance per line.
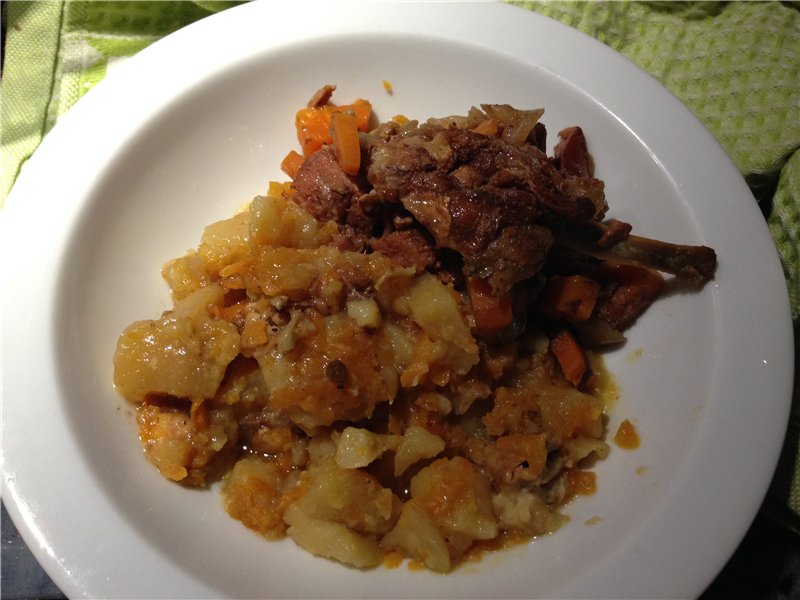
column 735, row 65
column 57, row 50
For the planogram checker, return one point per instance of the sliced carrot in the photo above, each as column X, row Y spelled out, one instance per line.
column 345, row 142
column 313, row 123
column 570, row 357
column 492, row 313
column 313, row 128
column 291, row 163
column 571, row 298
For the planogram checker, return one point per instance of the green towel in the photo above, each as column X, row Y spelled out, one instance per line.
column 736, row 65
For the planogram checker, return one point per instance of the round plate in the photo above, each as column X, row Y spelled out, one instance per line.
column 194, row 126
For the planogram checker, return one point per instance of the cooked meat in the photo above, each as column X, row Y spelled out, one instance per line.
column 408, row 247
column 477, row 197
column 480, row 196
column 322, row 188
column 615, row 232
column 572, row 154
column 321, row 96
column 695, row 264
column 627, row 292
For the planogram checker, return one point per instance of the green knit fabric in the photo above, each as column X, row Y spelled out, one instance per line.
column 56, row 50
column 736, row 65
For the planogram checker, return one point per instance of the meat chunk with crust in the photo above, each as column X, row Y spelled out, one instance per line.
column 478, row 195
column 322, row 188
column 407, row 247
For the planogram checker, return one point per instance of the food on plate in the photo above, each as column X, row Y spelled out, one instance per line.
column 394, row 354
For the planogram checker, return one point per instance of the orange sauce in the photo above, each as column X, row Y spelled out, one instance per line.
column 505, row 539
column 627, row 437
column 392, row 560
column 580, row 483
column 415, row 565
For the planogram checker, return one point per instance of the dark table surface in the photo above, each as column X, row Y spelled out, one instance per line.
column 766, row 565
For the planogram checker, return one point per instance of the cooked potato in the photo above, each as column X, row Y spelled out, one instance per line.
column 457, row 497
column 417, row 536
column 184, row 354
column 182, row 443
column 332, row 540
column 276, row 221
column 417, row 444
column 435, row 308
column 351, row 497
column 225, row 242
column 253, row 492
column 525, row 511
column 356, row 447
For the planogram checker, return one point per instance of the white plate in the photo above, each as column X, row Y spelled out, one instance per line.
column 196, row 125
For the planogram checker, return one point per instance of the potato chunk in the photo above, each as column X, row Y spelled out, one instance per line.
column 418, row 443
column 417, row 536
column 356, row 448
column 332, row 540
column 181, row 444
column 526, row 512
column 435, row 308
column 457, row 497
column 252, row 494
column 350, row 497
column 184, row 354
column 225, row 242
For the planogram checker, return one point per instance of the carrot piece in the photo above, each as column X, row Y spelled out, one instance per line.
column 570, row 357
column 492, row 313
column 362, row 109
column 313, row 129
column 571, row 298
column 291, row 164
column 345, row 142
column 313, row 123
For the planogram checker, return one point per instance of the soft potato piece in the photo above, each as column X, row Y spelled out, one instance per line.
column 434, row 307
column 522, row 455
column 580, row 447
column 365, row 312
column 356, row 448
column 524, row 511
column 282, row 271
column 458, row 497
column 417, row 444
column 348, row 496
column 184, row 354
column 225, row 242
column 567, row 412
column 182, row 446
column 417, row 536
column 279, row 222
column 252, row 493
column 186, row 274
column 332, row 540
column 166, row 439
column 301, row 383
